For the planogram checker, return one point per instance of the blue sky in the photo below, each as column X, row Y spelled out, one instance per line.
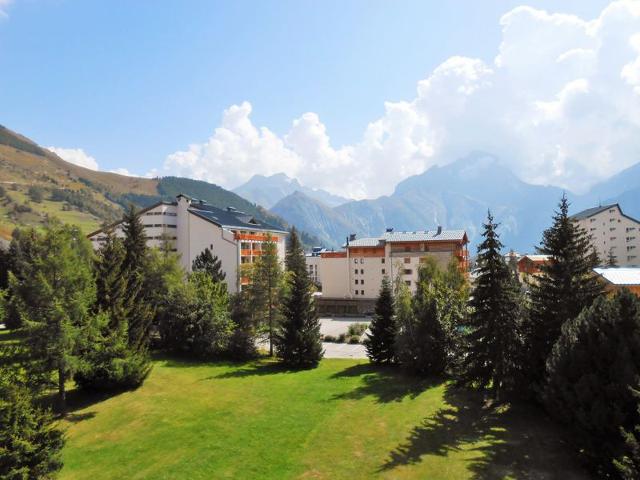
column 131, row 82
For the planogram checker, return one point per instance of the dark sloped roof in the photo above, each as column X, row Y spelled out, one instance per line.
column 590, row 212
column 232, row 219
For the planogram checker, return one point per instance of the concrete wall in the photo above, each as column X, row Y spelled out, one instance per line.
column 610, row 230
column 335, row 282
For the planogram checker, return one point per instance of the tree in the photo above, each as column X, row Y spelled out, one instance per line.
column 265, row 282
column 109, row 362
column 589, row 373
column 612, row 261
column 54, row 299
column 135, row 268
column 23, row 250
column 492, row 341
column 628, row 464
column 566, row 285
column 427, row 336
column 207, row 262
column 380, row 343
column 242, row 344
column 196, row 320
column 30, row 442
column 298, row 341
column 35, row 193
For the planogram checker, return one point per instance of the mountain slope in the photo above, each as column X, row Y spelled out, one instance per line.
column 267, row 191
column 622, row 188
column 309, row 214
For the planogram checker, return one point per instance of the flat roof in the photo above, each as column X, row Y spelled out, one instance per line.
column 620, row 276
column 231, row 219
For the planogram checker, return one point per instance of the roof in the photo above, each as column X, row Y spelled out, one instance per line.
column 138, row 212
column 590, row 212
column 620, row 276
column 417, row 236
column 536, row 258
column 231, row 219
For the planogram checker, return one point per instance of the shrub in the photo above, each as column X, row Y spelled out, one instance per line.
column 21, row 208
column 357, row 329
column 36, row 194
column 329, row 338
column 354, row 339
column 2, row 191
column 341, row 338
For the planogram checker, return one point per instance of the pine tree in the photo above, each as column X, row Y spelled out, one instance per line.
column 612, row 261
column 380, row 343
column 298, row 342
column 242, row 344
column 60, row 277
column 264, row 289
column 135, row 267
column 628, row 464
column 565, row 286
column 207, row 262
column 589, row 374
column 492, row 340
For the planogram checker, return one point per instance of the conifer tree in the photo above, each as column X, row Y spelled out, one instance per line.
column 380, row 343
column 612, row 261
column 209, row 263
column 565, row 286
column 59, row 276
column 264, row 289
column 242, row 344
column 628, row 463
column 492, row 341
column 135, row 267
column 299, row 343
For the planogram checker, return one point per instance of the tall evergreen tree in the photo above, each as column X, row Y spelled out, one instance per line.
column 612, row 261
column 298, row 341
column 565, row 286
column 242, row 344
column 492, row 340
column 380, row 343
column 209, row 263
column 264, row 289
column 135, row 267
column 23, row 250
column 60, row 277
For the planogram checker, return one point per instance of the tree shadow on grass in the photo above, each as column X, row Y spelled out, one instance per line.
column 385, row 383
column 512, row 440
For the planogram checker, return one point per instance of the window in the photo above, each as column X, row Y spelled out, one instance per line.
column 355, row 260
column 361, row 271
column 211, row 247
column 407, row 283
column 362, row 282
column 362, row 260
column 407, row 260
column 612, row 229
column 630, row 229
column 631, row 247
column 382, row 259
column 630, row 239
column 361, row 292
column 356, row 271
column 592, row 219
column 613, row 238
column 356, row 292
column 383, row 272
column 407, row 271
column 356, row 281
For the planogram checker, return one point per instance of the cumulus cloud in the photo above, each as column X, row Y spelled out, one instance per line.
column 560, row 104
column 77, row 156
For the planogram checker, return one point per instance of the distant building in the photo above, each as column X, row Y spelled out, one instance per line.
column 351, row 278
column 188, row 226
column 618, row 278
column 529, row 265
column 313, row 263
column 612, row 233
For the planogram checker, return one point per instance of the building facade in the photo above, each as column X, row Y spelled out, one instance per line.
column 356, row 272
column 188, row 226
column 612, row 234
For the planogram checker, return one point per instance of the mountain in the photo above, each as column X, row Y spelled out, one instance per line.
column 267, row 191
column 36, row 183
column 622, row 188
column 309, row 214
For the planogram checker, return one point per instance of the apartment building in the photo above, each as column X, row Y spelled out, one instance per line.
column 354, row 274
column 188, row 226
column 612, row 233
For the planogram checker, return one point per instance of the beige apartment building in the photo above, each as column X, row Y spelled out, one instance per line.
column 188, row 226
column 612, row 233
column 351, row 278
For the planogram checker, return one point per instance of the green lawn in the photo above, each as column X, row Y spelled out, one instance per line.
column 345, row 419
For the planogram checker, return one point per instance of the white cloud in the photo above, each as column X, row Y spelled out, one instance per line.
column 123, row 171
column 560, row 104
column 4, row 6
column 77, row 156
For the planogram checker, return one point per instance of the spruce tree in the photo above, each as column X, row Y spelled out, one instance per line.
column 590, row 372
column 264, row 289
column 380, row 343
column 566, row 285
column 209, row 263
column 61, row 280
column 492, row 341
column 299, row 343
column 612, row 261
column 135, row 267
column 628, row 464
column 242, row 344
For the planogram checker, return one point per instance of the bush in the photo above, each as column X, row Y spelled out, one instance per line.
column 36, row 194
column 2, row 191
column 341, row 338
column 354, row 339
column 329, row 338
column 357, row 329
column 21, row 208
column 114, row 373
column 589, row 374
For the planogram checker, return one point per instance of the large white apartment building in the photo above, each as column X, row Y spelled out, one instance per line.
column 188, row 226
column 612, row 233
column 355, row 274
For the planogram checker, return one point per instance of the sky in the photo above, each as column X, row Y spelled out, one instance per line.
column 349, row 96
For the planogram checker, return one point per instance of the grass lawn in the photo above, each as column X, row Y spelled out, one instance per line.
column 345, row 419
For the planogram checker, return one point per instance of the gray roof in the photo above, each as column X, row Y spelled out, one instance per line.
column 417, row 236
column 231, row 219
column 590, row 212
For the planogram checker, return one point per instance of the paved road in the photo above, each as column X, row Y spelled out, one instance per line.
column 343, row 350
column 335, row 326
